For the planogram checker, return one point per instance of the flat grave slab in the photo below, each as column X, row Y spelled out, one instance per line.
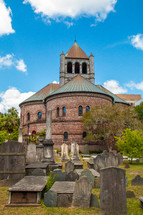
column 94, row 172
column 78, row 165
column 27, row 191
column 55, row 166
column 64, row 192
column 31, row 167
column 90, row 164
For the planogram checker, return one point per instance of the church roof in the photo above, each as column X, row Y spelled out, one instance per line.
column 76, row 52
column 42, row 94
column 79, row 84
column 116, row 98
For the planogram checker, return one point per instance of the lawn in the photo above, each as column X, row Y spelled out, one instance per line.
column 133, row 205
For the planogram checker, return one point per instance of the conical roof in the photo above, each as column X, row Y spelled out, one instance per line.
column 76, row 52
column 79, row 84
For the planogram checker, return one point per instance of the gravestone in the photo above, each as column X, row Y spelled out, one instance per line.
column 31, row 153
column 130, row 194
column 127, row 166
column 20, row 136
column 82, row 193
column 86, row 149
column 64, row 152
column 55, row 155
column 69, row 166
column 99, row 162
column 50, row 199
column 120, row 159
column 31, row 167
column 141, row 201
column 89, row 175
column 94, row 201
column 38, row 172
column 75, row 152
column 113, row 191
column 12, row 161
column 59, row 175
column 137, row 181
column 39, row 153
column 72, row 176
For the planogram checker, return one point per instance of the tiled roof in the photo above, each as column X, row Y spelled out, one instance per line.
column 116, row 98
column 42, row 94
column 76, row 52
column 79, row 84
column 129, row 96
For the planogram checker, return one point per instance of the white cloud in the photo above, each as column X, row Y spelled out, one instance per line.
column 61, row 9
column 137, row 41
column 9, row 60
column 21, row 66
column 133, row 85
column 55, row 82
column 12, row 98
column 5, row 19
column 114, row 87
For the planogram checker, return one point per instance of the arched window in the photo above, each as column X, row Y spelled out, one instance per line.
column 84, row 68
column 84, row 134
column 66, row 136
column 28, row 116
column 39, row 115
column 58, row 111
column 33, row 133
column 77, row 68
column 69, row 67
column 64, row 111
column 80, row 110
column 87, row 108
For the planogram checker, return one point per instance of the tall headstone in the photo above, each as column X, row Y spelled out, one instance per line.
column 31, row 153
column 75, row 151
column 69, row 166
column 20, row 135
column 113, row 191
column 64, row 152
column 88, row 174
column 82, row 193
column 48, row 143
column 120, row 159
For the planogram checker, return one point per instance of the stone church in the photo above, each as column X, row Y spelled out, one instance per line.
column 75, row 94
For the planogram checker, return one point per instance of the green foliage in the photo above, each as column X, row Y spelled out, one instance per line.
column 34, row 138
column 139, row 110
column 9, row 124
column 103, row 123
column 42, row 133
column 131, row 143
column 50, row 182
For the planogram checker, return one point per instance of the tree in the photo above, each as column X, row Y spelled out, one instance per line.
column 139, row 110
column 106, row 122
column 131, row 143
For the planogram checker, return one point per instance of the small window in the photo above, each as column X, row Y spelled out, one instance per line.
column 80, row 110
column 33, row 133
column 84, row 134
column 69, row 67
column 66, row 136
column 84, row 68
column 87, row 108
column 58, row 111
column 28, row 116
column 64, row 111
column 76, row 68
column 39, row 115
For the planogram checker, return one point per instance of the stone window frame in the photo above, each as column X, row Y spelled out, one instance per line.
column 77, row 63
column 58, row 112
column 80, row 112
column 70, row 62
column 66, row 136
column 84, row 63
column 39, row 118
column 64, row 111
column 87, row 108
column 28, row 116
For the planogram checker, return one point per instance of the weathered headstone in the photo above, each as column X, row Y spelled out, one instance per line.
column 82, row 193
column 141, row 201
column 88, row 174
column 137, row 181
column 38, row 172
column 120, row 159
column 94, row 201
column 20, row 139
column 39, row 152
column 86, row 149
column 130, row 194
column 12, row 161
column 50, row 199
column 113, row 191
column 64, row 152
column 72, row 176
column 99, row 162
column 69, row 166
column 127, row 166
column 31, row 153
column 75, row 152
column 59, row 175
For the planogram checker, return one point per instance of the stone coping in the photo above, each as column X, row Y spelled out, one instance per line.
column 93, row 171
column 63, row 187
column 37, row 165
column 30, row 184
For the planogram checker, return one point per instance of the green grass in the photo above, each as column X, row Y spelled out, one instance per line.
column 133, row 204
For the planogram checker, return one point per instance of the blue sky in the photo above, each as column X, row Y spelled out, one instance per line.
column 33, row 33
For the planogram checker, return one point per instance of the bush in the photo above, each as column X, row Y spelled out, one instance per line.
column 50, row 182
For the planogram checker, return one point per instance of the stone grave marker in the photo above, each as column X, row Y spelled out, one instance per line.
column 113, row 192
column 141, row 201
column 82, row 193
column 69, row 166
column 120, row 159
column 50, row 199
column 38, row 172
column 64, row 152
column 89, row 175
column 86, row 149
column 130, row 194
column 59, row 175
column 31, row 153
column 137, row 181
column 75, row 152
column 94, row 201
column 72, row 176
